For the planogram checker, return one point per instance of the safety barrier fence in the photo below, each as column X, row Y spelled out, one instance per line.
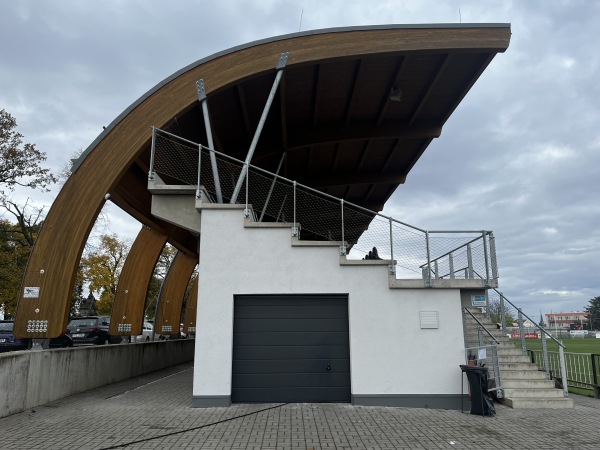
column 362, row 233
column 583, row 369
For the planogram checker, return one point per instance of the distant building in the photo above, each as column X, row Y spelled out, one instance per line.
column 567, row 320
column 88, row 306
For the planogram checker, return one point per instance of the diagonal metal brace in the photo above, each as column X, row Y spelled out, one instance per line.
column 211, row 147
column 280, row 66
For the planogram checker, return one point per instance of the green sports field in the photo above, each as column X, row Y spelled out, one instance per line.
column 575, row 345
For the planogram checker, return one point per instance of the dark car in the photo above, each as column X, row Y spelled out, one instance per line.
column 9, row 342
column 91, row 330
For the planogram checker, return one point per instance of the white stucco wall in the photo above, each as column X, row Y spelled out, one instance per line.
column 389, row 352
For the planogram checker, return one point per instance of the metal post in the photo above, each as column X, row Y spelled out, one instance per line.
column 480, row 336
column 493, row 256
column 485, row 256
column 545, row 355
column 262, row 214
column 392, row 264
column 343, row 247
column 522, row 332
column 211, row 147
column 502, row 314
column 246, row 210
column 563, row 369
column 436, row 271
column 198, row 191
column 451, row 266
column 295, row 226
column 469, row 262
column 280, row 66
column 428, row 278
column 152, row 150
column 495, row 363
column 488, row 315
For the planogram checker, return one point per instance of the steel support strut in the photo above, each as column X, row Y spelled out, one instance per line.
column 211, row 147
column 280, row 66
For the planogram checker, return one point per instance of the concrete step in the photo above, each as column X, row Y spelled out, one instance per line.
column 533, row 393
column 538, row 403
column 528, row 384
column 513, row 359
column 508, row 351
column 516, row 366
column 528, row 374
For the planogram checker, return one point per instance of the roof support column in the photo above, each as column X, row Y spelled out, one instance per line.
column 262, row 214
column 211, row 147
column 280, row 66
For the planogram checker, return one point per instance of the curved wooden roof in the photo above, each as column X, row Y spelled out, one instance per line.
column 332, row 117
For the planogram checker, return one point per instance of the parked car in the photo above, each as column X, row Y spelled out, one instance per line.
column 91, row 330
column 9, row 342
column 147, row 331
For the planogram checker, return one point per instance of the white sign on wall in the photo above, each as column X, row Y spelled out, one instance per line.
column 31, row 292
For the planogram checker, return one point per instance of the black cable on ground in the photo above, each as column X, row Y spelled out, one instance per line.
column 191, row 429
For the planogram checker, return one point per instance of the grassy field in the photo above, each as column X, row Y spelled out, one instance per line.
column 576, row 345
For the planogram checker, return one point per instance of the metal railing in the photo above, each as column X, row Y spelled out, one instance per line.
column 362, row 233
column 583, row 369
column 508, row 308
column 479, row 354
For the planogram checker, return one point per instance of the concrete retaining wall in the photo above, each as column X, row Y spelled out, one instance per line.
column 32, row 378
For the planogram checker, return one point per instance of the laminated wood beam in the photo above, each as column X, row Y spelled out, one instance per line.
column 168, row 312
column 130, row 299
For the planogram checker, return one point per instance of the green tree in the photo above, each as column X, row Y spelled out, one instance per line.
column 16, row 240
column 19, row 162
column 102, row 267
column 496, row 313
column 593, row 309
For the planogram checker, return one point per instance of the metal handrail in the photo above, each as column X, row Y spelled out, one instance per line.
column 308, row 187
column 457, row 248
column 428, row 263
column 481, row 325
column 560, row 344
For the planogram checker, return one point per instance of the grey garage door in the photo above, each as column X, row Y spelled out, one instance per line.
column 291, row 348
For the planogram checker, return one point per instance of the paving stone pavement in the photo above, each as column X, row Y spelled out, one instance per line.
column 153, row 412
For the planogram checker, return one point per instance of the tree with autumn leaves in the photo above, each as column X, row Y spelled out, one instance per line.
column 20, row 166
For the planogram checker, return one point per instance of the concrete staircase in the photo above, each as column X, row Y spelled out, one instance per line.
column 524, row 385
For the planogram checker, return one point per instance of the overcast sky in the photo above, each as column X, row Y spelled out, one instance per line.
column 520, row 156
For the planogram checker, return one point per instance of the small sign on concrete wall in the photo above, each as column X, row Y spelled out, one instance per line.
column 429, row 319
column 478, row 300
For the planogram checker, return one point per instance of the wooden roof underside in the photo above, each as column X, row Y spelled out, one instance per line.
column 332, row 116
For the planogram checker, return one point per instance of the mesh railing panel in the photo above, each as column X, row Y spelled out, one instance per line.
column 321, row 217
column 175, row 160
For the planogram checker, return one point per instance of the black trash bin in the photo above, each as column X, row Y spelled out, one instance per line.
column 481, row 402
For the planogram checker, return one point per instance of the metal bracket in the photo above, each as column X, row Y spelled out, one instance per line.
column 40, row 344
column 282, row 60
column 201, row 90
column 392, row 268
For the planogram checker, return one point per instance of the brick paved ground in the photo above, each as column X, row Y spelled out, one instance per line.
column 153, row 412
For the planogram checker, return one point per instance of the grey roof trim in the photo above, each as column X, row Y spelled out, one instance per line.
column 77, row 162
